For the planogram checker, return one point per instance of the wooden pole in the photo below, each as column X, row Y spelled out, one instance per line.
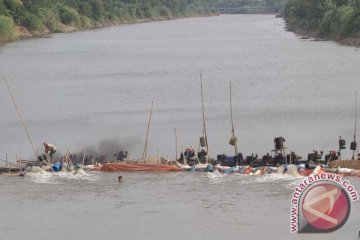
column 353, row 156
column 158, row 152
column 21, row 118
column 339, row 149
column 232, row 121
column 196, row 156
column 290, row 156
column 176, row 148
column 203, row 114
column 17, row 159
column 83, row 161
column 6, row 158
column 147, row 131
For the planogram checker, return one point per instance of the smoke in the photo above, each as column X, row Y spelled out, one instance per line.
column 108, row 147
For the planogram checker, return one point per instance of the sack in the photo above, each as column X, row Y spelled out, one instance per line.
column 233, row 141
column 202, row 142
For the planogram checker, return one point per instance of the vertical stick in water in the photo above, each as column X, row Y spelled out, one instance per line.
column 158, row 152
column 176, row 148
column 83, row 160
column 203, row 114
column 353, row 156
column 21, row 118
column 147, row 131
column 232, row 121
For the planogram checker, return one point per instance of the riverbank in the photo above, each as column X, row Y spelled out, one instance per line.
column 332, row 20
column 350, row 41
column 23, row 33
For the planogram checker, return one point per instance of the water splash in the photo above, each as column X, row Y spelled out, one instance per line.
column 58, row 177
column 41, row 177
column 216, row 177
column 276, row 177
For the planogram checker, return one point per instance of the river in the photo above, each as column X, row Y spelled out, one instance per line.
column 94, row 88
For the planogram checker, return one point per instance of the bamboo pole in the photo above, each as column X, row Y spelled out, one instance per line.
column 232, row 121
column 353, row 156
column 147, row 131
column 21, row 118
column 10, row 163
column 83, row 161
column 176, row 148
column 203, row 114
column 158, row 152
column 196, row 156
column 6, row 157
column 290, row 157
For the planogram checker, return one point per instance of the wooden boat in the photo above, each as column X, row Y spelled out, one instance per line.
column 114, row 167
column 149, row 164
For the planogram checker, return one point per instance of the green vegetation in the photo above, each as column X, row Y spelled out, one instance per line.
column 250, row 3
column 41, row 16
column 246, row 6
column 7, row 29
column 334, row 19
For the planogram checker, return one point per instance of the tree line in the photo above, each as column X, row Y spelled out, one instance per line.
column 250, row 3
column 56, row 15
column 334, row 19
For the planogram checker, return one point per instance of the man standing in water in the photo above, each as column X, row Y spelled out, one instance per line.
column 49, row 148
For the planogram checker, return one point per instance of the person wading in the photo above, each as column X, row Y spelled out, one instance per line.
column 49, row 148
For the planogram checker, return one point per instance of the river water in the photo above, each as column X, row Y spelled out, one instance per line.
column 94, row 88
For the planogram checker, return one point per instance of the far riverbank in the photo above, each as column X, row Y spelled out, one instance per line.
column 23, row 33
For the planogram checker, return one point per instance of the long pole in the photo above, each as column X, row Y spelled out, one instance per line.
column 158, row 152
column 147, row 131
column 176, row 145
column 353, row 156
column 232, row 121
column 83, row 160
column 203, row 114
column 21, row 118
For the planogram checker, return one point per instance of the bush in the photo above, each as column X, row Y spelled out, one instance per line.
column 326, row 24
column 32, row 22
column 69, row 16
column 152, row 13
column 13, row 5
column 356, row 24
column 85, row 9
column 124, row 14
column 165, row 12
column 7, row 29
column 16, row 10
column 85, row 22
column 347, row 17
column 2, row 8
column 50, row 19
column 98, row 10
